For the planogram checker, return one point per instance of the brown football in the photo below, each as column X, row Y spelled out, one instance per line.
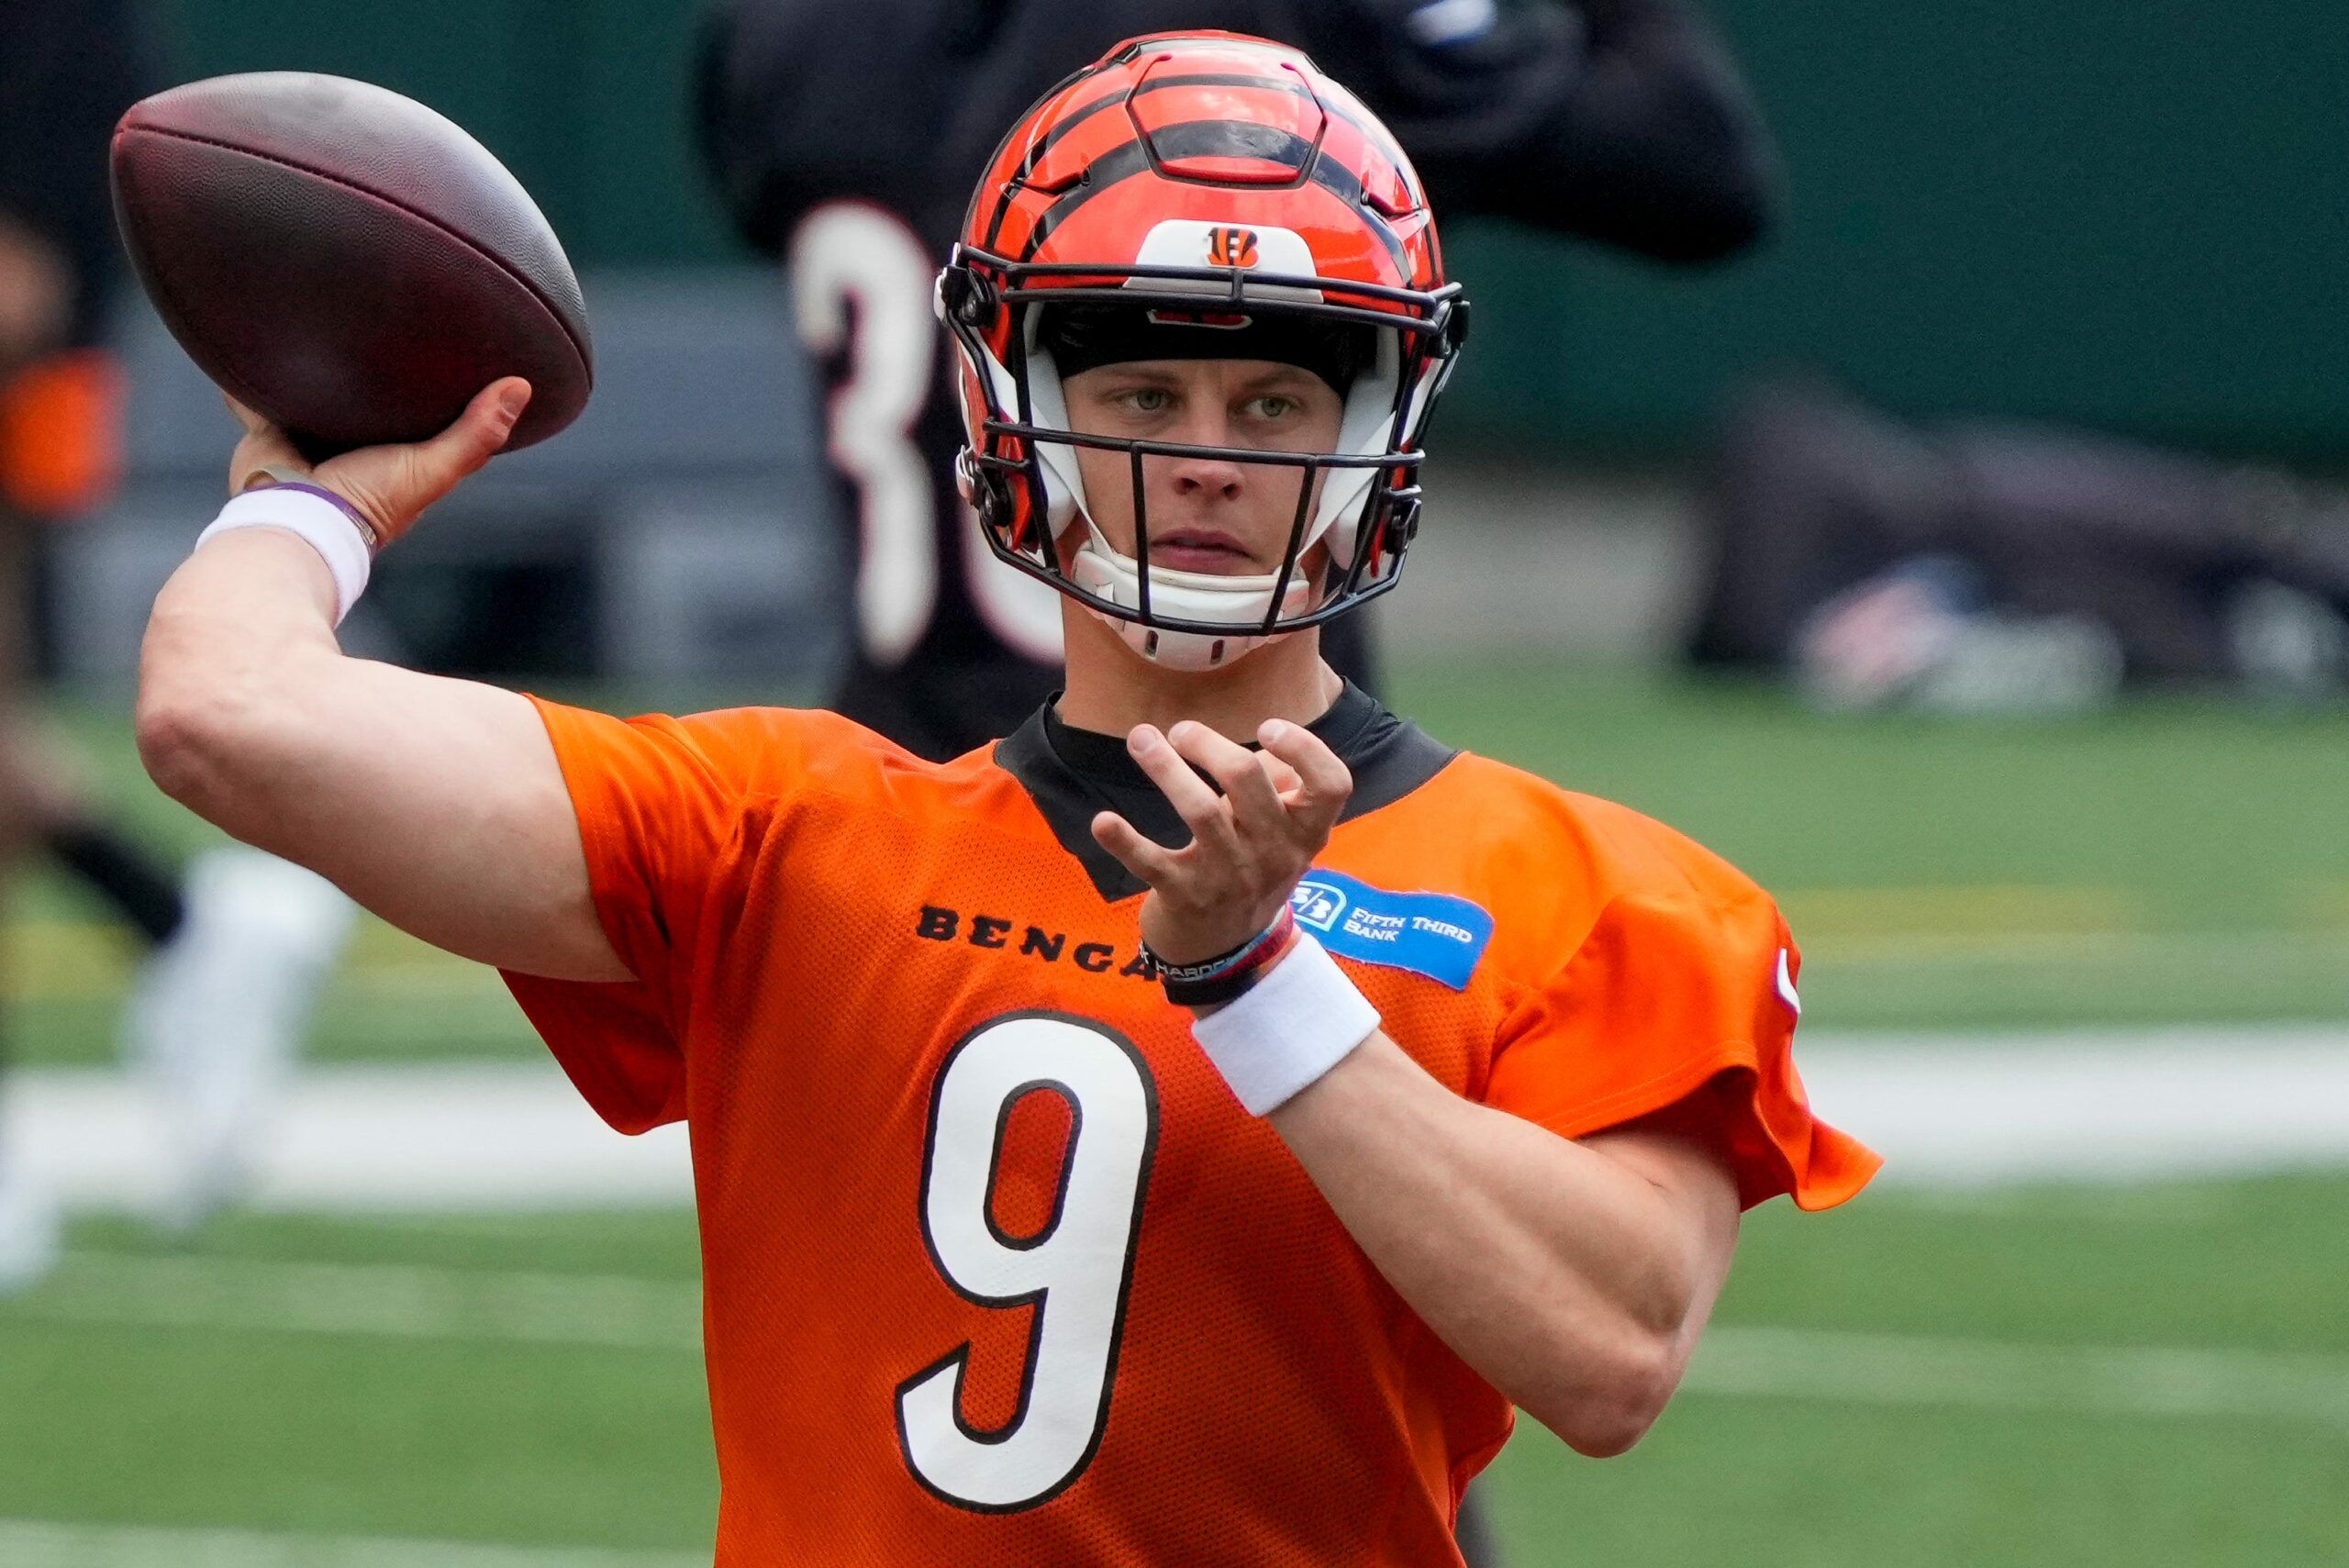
column 345, row 261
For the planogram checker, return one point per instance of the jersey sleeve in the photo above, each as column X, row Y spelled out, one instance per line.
column 1672, row 991
column 658, row 800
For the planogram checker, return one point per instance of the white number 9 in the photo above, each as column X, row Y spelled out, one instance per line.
column 1075, row 1273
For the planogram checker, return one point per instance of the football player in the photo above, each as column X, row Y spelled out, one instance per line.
column 844, row 134
column 1191, row 1128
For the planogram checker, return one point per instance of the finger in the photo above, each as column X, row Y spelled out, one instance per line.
column 484, row 428
column 253, row 423
column 1136, row 853
column 396, row 489
column 1325, row 785
column 1255, row 805
column 1201, row 808
column 263, row 446
column 1284, row 779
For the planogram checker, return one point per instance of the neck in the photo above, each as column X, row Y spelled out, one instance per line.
column 1111, row 688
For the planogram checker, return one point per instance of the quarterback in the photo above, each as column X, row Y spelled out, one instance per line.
column 1188, row 1131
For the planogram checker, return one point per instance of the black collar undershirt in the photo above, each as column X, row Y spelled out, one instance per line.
column 1073, row 775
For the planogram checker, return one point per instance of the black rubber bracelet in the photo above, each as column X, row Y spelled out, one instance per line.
column 1240, row 957
column 1222, row 978
column 1216, row 992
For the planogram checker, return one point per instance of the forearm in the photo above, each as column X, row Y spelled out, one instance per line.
column 1575, row 1281
column 1561, row 1275
column 238, row 655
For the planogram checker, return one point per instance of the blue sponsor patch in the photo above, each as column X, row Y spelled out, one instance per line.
column 1433, row 934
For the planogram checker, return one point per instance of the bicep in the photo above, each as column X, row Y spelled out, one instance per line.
column 439, row 805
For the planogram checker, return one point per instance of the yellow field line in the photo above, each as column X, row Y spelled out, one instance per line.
column 89, row 961
column 1958, row 910
column 2069, row 947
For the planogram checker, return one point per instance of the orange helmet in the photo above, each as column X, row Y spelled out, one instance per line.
column 1211, row 181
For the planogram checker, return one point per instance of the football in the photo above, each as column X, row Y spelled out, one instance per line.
column 345, row 261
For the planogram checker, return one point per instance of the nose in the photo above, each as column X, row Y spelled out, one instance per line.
column 1205, row 477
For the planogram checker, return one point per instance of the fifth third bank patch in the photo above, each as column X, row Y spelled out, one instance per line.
column 1433, row 934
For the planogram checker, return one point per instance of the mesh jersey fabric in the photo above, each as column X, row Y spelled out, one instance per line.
column 828, row 932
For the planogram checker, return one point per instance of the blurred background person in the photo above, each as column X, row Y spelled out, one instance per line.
column 237, row 947
column 2000, row 566
column 842, row 135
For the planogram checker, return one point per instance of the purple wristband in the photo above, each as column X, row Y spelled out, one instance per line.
column 366, row 530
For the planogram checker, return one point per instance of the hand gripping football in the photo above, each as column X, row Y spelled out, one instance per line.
column 344, row 261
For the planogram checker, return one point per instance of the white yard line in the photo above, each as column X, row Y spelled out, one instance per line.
column 1835, row 1367
column 1945, row 1111
column 29, row 1543
column 2090, row 1104
column 424, row 1138
column 369, row 1300
column 607, row 1313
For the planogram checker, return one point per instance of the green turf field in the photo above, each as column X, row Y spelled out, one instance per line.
column 2125, row 1375
column 424, row 1380
column 2172, row 862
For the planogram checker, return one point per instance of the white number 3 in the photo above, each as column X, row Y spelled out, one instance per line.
column 1075, row 1273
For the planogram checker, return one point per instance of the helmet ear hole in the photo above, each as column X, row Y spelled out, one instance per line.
column 966, row 297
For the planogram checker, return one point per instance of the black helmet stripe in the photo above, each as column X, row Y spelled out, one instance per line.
column 1069, row 122
column 1218, row 138
column 1072, row 119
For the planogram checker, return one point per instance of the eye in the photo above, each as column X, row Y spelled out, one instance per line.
column 1273, row 406
column 1147, row 399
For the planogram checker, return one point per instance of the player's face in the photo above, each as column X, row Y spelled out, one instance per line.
column 1212, row 515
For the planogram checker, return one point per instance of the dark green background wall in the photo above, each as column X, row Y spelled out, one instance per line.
column 2121, row 212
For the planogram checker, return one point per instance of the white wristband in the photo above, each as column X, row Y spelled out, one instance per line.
column 315, row 520
column 1283, row 1032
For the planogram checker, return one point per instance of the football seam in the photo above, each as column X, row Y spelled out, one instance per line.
column 538, row 297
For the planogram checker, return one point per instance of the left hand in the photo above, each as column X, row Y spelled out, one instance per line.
column 1249, row 845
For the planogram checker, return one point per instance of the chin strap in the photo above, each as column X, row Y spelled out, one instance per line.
column 1239, row 603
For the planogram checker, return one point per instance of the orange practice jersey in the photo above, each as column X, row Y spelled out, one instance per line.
column 998, row 1271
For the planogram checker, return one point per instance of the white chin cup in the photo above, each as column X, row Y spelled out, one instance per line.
column 1237, row 602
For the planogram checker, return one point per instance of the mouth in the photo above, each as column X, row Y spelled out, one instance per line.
column 1201, row 549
